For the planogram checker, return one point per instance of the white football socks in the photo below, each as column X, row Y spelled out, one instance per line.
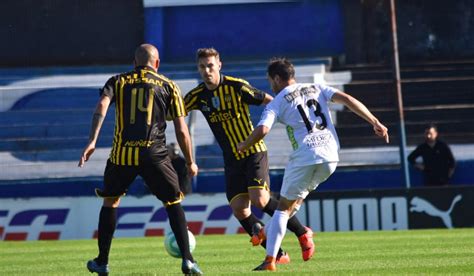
column 275, row 232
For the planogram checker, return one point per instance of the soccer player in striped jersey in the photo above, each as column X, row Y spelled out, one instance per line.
column 224, row 101
column 303, row 109
column 143, row 99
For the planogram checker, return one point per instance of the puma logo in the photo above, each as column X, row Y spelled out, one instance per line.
column 258, row 180
column 420, row 205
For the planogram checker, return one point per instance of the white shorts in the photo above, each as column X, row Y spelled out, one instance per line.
column 299, row 181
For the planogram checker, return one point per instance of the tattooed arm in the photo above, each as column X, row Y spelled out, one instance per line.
column 97, row 120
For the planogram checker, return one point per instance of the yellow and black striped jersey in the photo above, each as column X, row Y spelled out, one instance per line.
column 226, row 110
column 143, row 101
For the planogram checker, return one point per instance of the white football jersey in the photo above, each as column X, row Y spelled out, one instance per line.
column 303, row 109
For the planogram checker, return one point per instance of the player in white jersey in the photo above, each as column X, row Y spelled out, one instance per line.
column 303, row 109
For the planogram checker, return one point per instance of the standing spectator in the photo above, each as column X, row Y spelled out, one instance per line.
column 179, row 165
column 438, row 161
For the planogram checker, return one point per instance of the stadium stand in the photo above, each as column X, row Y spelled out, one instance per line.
column 433, row 92
column 45, row 117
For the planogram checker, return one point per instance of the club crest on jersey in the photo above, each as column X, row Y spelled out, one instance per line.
column 215, row 102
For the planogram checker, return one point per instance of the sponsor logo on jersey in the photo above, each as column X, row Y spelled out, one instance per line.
column 314, row 140
column 144, row 80
column 205, row 106
column 216, row 117
column 139, row 143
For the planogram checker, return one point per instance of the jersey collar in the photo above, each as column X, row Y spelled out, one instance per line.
column 220, row 82
column 145, row 67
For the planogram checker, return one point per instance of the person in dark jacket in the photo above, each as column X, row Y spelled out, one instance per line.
column 438, row 161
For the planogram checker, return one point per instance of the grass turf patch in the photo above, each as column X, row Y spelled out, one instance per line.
column 376, row 252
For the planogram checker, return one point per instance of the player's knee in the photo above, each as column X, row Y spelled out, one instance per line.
column 241, row 214
column 294, row 210
column 260, row 203
column 287, row 205
column 259, row 198
column 240, row 211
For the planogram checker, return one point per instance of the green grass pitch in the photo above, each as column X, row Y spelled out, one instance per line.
column 417, row 252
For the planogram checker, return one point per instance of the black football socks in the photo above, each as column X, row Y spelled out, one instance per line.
column 107, row 224
column 248, row 222
column 180, row 229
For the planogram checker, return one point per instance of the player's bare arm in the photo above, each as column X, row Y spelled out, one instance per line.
column 184, row 141
column 258, row 134
column 360, row 109
column 268, row 98
column 97, row 121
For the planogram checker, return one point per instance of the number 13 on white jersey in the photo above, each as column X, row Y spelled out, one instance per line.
column 303, row 109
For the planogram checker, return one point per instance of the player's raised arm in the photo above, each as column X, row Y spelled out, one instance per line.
column 268, row 98
column 97, row 120
column 257, row 134
column 360, row 109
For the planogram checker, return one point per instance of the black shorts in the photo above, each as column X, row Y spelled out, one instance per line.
column 160, row 178
column 248, row 173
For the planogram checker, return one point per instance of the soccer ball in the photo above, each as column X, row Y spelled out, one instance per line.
column 171, row 245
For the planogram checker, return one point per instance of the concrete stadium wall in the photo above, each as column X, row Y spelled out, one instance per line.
column 344, row 179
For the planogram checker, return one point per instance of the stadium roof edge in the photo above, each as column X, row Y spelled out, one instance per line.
column 174, row 3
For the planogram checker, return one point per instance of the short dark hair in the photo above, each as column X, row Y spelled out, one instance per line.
column 281, row 67
column 207, row 52
column 432, row 126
